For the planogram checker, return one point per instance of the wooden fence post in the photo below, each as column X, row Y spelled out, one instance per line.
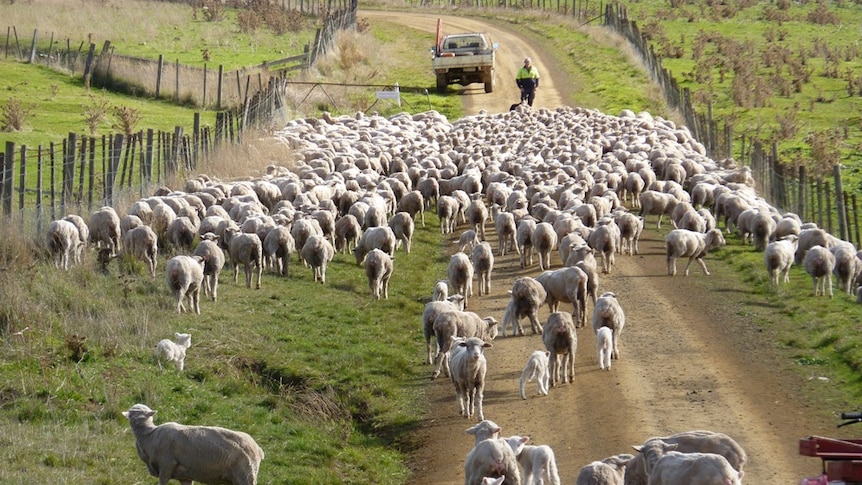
column 149, row 156
column 116, row 152
column 856, row 220
column 803, row 185
column 220, row 80
column 69, row 156
column 177, row 83
column 828, row 199
column 196, row 139
column 88, row 66
column 32, row 56
column 39, row 190
column 839, row 202
column 53, row 182
column 159, row 74
column 22, row 178
column 6, row 177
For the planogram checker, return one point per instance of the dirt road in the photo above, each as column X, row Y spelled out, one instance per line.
column 693, row 354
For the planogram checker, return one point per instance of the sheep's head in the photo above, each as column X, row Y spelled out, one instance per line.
column 139, row 413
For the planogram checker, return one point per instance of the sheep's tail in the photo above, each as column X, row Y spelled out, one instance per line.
column 553, row 473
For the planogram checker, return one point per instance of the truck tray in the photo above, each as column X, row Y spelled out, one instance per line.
column 831, row 448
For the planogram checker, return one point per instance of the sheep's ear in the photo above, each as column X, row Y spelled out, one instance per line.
column 151, row 413
column 525, row 439
column 547, row 353
column 126, row 414
column 637, row 448
column 487, row 345
column 177, row 335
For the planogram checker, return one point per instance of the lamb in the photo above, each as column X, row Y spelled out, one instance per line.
column 449, row 323
column 246, row 250
column 485, row 430
column 105, row 229
column 378, row 237
column 668, row 467
column 656, row 203
column 347, row 233
column 467, row 370
column 527, row 297
column 693, row 245
column 604, row 347
column 699, row 441
column 562, row 342
column 168, row 351
column 378, row 270
column 492, row 458
column 317, row 253
column 441, row 291
column 610, row 471
column 206, row 454
column 819, row 262
column 432, row 309
column 536, row 368
column 63, row 241
column 566, row 285
column 83, row 235
column 142, row 243
column 506, row 229
column 460, row 273
column 483, row 265
column 609, row 313
column 402, row 227
column 278, row 245
column 538, row 461
column 544, row 239
column 467, row 241
column 213, row 258
column 778, row 257
column 185, row 275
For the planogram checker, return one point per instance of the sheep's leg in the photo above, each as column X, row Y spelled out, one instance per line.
column 702, row 266
column 534, row 322
column 478, row 398
column 671, row 265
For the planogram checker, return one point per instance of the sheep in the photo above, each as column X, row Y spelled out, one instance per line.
column 506, row 229
column 477, row 214
column 524, row 238
column 694, row 245
column 761, row 227
column 402, row 226
column 278, row 245
column 604, row 240
column 181, row 233
column 493, row 480
column 213, row 258
column 246, row 250
column 778, row 257
column 303, row 229
column 377, row 237
column 536, row 368
column 447, row 211
column 631, row 227
column 142, row 243
column 441, row 291
column 485, row 430
column 378, row 270
column 544, row 239
column 527, row 296
column 699, row 441
column 538, row 461
column 207, row 454
column 168, row 351
column 467, row 241
column 449, row 323
column 809, row 238
column 610, row 471
column 63, row 242
column 668, row 467
column 492, row 458
column 432, row 309
column 83, row 235
column 317, row 253
column 412, row 203
column 819, row 263
column 467, row 370
column 460, row 272
column 185, row 275
column 655, row 203
column 604, row 347
column 847, row 265
column 483, row 265
column 105, row 229
column 347, row 233
column 562, row 342
column 566, row 285
column 609, row 313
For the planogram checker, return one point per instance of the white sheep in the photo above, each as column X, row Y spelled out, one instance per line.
column 700, row 441
column 483, row 265
column 467, row 370
column 492, row 458
column 809, row 238
column 105, row 228
column 467, row 241
column 604, row 347
column 168, row 351
column 378, row 270
column 524, row 238
column 562, row 343
column 819, row 263
column 181, row 233
column 347, row 233
column 185, row 276
column 450, row 323
column 655, row 203
column 668, row 467
column 376, row 237
column 460, row 272
column 527, row 296
column 402, row 226
column 246, row 250
column 477, row 214
column 682, row 243
column 432, row 309
column 506, row 229
column 278, row 245
column 609, row 313
column 213, row 256
column 631, row 227
column 485, row 430
column 412, row 203
column 63, row 242
column 142, row 243
column 441, row 291
column 604, row 240
column 317, row 253
column 207, row 454
column 778, row 257
column 847, row 265
column 447, row 211
column 544, row 240
column 610, row 471
column 566, row 285
column 537, row 368
column 83, row 234
column 539, row 461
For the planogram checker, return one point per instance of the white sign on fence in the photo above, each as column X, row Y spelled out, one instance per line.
column 395, row 95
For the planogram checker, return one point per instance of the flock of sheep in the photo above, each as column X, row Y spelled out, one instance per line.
column 546, row 179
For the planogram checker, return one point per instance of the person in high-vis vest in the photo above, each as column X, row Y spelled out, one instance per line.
column 528, row 81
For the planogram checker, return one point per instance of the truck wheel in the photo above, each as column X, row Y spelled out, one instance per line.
column 441, row 83
column 489, row 84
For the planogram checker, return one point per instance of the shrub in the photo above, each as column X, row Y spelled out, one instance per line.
column 126, row 119
column 15, row 114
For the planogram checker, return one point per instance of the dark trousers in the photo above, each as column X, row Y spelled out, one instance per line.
column 528, row 95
